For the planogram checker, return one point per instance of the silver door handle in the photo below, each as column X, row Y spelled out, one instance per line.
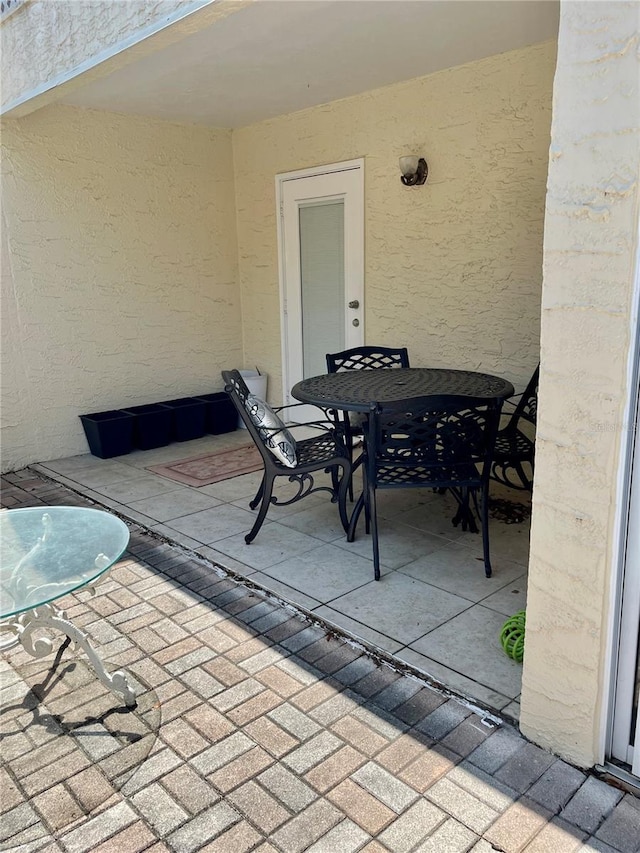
column 354, row 304
column 355, row 322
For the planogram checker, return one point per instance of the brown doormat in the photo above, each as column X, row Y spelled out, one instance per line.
column 204, row 470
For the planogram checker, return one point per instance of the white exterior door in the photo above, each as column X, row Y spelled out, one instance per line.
column 321, row 269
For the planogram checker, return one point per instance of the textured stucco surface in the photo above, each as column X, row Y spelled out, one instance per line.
column 48, row 37
column 51, row 47
column 453, row 269
column 123, row 255
column 123, row 245
column 17, row 420
column 591, row 235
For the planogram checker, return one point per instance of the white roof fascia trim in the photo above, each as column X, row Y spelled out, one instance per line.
column 108, row 53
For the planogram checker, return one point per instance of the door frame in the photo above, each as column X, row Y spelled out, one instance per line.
column 616, row 694
column 356, row 165
column 629, row 619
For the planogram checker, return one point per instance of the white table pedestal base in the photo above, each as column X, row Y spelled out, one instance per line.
column 23, row 625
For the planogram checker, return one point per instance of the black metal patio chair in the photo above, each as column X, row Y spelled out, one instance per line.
column 440, row 442
column 362, row 358
column 283, row 456
column 513, row 455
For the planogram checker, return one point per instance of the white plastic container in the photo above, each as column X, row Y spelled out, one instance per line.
column 257, row 385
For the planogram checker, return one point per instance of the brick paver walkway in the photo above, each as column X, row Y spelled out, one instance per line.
column 256, row 730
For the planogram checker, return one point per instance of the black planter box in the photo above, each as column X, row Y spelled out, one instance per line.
column 221, row 414
column 188, row 415
column 109, row 433
column 151, row 426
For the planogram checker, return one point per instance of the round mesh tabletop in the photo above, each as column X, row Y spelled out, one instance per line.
column 356, row 390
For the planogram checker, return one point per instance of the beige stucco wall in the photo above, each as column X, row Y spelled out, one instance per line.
column 112, row 214
column 454, row 268
column 49, row 47
column 590, row 257
column 44, row 39
column 123, row 256
column 17, row 421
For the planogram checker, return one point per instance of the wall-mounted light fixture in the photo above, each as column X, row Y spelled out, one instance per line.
column 414, row 170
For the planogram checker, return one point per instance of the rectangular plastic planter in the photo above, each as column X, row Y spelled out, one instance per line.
column 221, row 413
column 188, row 416
column 109, row 433
column 151, row 426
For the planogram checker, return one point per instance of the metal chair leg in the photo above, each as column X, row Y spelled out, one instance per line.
column 345, row 483
column 484, row 519
column 348, row 440
column 267, row 491
column 370, row 509
column 464, row 514
column 355, row 515
column 525, row 479
column 254, row 503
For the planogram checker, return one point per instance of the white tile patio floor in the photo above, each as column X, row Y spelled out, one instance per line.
column 433, row 608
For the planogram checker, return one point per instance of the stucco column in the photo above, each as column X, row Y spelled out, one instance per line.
column 590, row 256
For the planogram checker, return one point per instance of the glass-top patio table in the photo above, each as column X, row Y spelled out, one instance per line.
column 45, row 553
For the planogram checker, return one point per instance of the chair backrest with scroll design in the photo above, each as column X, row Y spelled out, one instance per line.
column 513, row 459
column 236, row 388
column 527, row 406
column 284, row 457
column 441, row 442
column 446, row 439
column 367, row 358
column 362, row 358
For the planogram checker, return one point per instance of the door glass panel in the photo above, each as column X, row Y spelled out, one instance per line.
column 322, row 283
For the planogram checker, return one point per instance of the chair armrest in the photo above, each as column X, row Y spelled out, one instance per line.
column 327, row 426
column 288, row 406
column 297, row 405
column 329, row 421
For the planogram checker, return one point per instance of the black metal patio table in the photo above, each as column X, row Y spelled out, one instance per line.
column 356, row 390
